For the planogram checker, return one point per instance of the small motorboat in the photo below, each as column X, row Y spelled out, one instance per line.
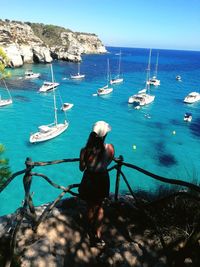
column 178, row 78
column 48, row 86
column 29, row 74
column 192, row 98
column 188, row 117
column 66, row 106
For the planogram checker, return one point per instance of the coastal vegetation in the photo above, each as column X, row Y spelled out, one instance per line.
column 3, row 63
column 4, row 163
column 49, row 34
column 4, row 167
column 53, row 35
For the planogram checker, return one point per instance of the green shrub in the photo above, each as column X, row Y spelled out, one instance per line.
column 5, row 172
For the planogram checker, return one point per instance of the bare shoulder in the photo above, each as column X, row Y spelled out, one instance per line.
column 110, row 149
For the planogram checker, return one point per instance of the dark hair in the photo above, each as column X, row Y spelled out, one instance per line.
column 94, row 147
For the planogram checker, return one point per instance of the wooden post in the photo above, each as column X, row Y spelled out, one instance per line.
column 119, row 165
column 27, row 185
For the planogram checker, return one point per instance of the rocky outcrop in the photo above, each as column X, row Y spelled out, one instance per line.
column 21, row 44
column 137, row 232
column 62, row 239
column 39, row 43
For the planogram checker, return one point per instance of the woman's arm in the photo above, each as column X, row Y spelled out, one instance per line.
column 110, row 152
column 82, row 164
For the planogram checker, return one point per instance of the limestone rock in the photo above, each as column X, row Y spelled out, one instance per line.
column 42, row 54
column 39, row 43
column 14, row 55
column 26, row 53
column 61, row 54
column 91, row 44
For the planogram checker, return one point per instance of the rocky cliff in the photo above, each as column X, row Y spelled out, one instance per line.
column 39, row 43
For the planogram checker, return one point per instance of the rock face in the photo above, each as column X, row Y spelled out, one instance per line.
column 39, row 43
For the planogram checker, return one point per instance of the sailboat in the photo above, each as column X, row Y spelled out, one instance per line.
column 7, row 101
column 105, row 90
column 117, row 78
column 47, row 132
column 154, row 81
column 142, row 98
column 78, row 76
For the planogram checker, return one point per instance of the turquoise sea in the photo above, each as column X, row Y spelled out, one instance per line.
column 164, row 144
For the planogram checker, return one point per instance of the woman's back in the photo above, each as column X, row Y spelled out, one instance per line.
column 96, row 161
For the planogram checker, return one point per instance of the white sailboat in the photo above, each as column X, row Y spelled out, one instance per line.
column 6, row 101
column 143, row 97
column 154, row 81
column 47, row 132
column 78, row 76
column 117, row 78
column 105, row 90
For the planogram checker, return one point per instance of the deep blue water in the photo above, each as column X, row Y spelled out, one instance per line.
column 150, row 130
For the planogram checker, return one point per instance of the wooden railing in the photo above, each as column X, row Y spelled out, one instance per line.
column 28, row 210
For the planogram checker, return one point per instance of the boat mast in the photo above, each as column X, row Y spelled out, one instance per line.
column 54, row 97
column 7, row 89
column 78, row 68
column 148, row 72
column 119, row 63
column 108, row 75
column 156, row 69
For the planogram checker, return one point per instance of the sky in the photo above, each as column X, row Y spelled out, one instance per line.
column 163, row 24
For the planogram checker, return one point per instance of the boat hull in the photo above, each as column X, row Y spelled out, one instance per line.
column 54, row 131
column 67, row 106
column 116, row 81
column 5, row 102
column 78, row 77
column 47, row 88
column 188, row 119
column 102, row 92
column 154, row 82
column 192, row 98
column 32, row 75
column 141, row 99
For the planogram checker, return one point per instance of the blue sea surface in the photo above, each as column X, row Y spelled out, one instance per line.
column 154, row 137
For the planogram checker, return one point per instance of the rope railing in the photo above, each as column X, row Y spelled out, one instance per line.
column 28, row 209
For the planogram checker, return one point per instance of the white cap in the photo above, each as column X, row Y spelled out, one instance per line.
column 101, row 128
